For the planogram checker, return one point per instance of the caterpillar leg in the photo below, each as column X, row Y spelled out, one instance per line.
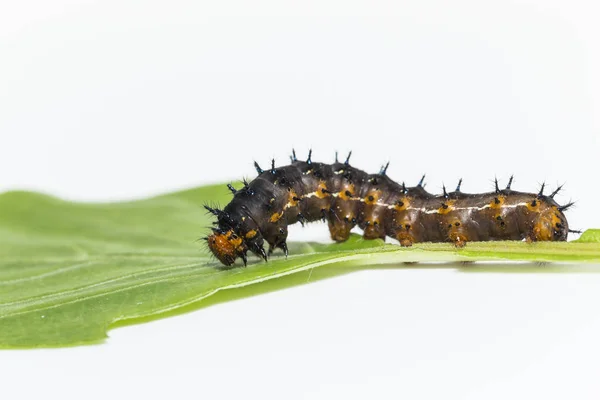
column 281, row 245
column 373, row 230
column 458, row 234
column 341, row 219
column 460, row 241
column 340, row 229
column 404, row 235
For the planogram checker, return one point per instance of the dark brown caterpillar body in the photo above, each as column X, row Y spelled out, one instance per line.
column 346, row 197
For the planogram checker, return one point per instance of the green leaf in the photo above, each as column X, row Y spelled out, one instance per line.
column 70, row 271
column 590, row 236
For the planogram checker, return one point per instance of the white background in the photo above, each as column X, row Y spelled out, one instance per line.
column 109, row 100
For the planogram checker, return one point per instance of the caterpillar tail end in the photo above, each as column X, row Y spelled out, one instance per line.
column 550, row 225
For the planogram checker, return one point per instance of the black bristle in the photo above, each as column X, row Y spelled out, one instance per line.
column 293, row 156
column 347, row 162
column 404, row 190
column 558, row 189
column 258, row 168
column 308, row 160
column 566, row 206
column 218, row 230
column 541, row 192
column 231, row 188
column 445, row 193
column 273, row 166
column 575, row 231
column 213, row 211
column 422, row 181
column 496, row 185
column 336, row 157
column 510, row 180
column 458, row 186
column 384, row 169
column 246, row 188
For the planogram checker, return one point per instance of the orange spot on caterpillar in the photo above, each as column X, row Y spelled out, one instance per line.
column 556, row 220
column 372, row 197
column 322, row 191
column 402, row 204
column 534, row 205
column 347, row 192
column 498, row 202
column 275, row 217
column 293, row 199
column 446, row 207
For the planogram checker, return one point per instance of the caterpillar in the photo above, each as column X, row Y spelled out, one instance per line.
column 345, row 197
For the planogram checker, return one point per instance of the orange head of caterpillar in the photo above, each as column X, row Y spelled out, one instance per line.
column 226, row 246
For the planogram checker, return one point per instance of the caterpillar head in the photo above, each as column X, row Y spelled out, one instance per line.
column 226, row 246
